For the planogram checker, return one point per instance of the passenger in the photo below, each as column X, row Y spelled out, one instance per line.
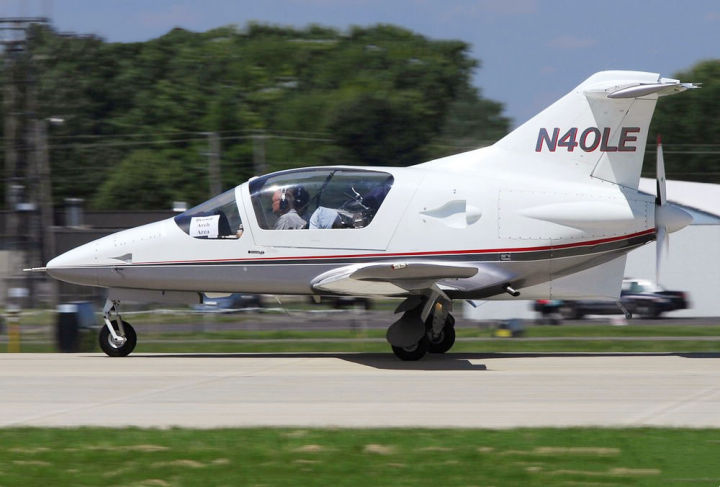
column 374, row 198
column 283, row 205
column 324, row 217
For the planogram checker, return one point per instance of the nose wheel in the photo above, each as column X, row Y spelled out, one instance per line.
column 117, row 338
column 120, row 345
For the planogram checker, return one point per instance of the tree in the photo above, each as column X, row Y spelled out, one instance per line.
column 152, row 179
column 690, row 127
column 137, row 114
column 379, row 131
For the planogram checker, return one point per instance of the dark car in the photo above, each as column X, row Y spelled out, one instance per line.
column 230, row 302
column 342, row 302
column 639, row 296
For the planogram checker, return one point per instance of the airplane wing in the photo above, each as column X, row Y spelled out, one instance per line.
column 394, row 278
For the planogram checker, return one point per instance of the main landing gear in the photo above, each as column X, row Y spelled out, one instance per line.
column 117, row 338
column 424, row 327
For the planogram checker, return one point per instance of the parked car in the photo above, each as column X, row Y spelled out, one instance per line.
column 640, row 297
column 343, row 302
column 231, row 302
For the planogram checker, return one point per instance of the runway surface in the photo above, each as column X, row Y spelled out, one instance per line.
column 360, row 390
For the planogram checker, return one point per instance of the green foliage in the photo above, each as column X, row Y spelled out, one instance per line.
column 136, row 115
column 690, row 127
column 373, row 130
column 366, row 456
column 151, row 179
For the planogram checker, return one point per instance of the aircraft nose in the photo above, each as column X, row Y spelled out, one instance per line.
column 75, row 266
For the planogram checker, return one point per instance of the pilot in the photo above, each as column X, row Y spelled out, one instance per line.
column 283, row 205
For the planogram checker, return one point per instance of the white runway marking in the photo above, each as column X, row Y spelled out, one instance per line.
column 360, row 390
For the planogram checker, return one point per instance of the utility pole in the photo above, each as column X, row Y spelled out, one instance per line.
column 23, row 234
column 45, row 200
column 214, row 164
column 10, row 96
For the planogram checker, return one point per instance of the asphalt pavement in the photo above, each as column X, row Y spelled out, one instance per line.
column 499, row 390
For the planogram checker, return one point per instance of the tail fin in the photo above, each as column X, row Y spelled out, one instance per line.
column 599, row 129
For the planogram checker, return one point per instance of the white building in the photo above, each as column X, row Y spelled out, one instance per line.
column 692, row 263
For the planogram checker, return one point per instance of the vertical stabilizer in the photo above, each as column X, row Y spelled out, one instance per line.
column 599, row 129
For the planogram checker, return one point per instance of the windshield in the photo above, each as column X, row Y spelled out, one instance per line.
column 214, row 219
column 319, row 198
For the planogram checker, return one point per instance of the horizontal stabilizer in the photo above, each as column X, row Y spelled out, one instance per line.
column 664, row 88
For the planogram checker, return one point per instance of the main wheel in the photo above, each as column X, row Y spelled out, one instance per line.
column 416, row 352
column 446, row 339
column 113, row 348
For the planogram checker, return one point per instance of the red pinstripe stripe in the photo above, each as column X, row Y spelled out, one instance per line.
column 415, row 254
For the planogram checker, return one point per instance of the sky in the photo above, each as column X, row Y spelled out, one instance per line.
column 531, row 51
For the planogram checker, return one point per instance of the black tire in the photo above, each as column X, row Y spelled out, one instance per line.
column 112, row 349
column 570, row 312
column 413, row 353
column 445, row 340
column 649, row 311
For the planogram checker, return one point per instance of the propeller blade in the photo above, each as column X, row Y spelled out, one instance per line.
column 661, row 228
column 661, row 245
column 661, row 194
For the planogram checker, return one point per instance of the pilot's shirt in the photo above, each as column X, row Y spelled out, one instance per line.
column 289, row 221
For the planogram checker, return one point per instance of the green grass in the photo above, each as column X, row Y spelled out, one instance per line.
column 472, row 339
column 343, row 332
column 499, row 345
column 345, row 457
column 630, row 330
column 157, row 335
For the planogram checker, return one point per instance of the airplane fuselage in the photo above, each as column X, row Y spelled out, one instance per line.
column 526, row 227
column 548, row 211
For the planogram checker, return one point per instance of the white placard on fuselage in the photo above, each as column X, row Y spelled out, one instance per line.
column 204, row 226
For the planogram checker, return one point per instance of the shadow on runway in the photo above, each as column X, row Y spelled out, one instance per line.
column 385, row 361
column 448, row 361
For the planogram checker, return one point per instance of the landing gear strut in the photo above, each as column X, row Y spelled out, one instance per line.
column 411, row 337
column 117, row 338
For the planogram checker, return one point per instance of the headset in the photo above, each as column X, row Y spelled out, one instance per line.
column 300, row 198
column 284, row 202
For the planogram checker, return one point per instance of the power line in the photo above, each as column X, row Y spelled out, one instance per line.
column 201, row 138
column 199, row 133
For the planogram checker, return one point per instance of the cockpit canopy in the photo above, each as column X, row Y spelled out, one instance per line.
column 297, row 199
column 216, row 218
column 319, row 198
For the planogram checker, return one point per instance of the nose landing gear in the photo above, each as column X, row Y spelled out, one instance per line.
column 117, row 338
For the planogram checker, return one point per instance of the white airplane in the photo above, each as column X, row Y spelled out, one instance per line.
column 550, row 211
